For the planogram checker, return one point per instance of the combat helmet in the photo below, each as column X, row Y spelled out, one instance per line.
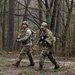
column 25, row 22
column 44, row 24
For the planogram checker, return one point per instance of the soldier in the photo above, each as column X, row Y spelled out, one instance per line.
column 25, row 38
column 46, row 41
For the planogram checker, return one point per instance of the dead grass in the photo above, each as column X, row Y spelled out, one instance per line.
column 67, row 66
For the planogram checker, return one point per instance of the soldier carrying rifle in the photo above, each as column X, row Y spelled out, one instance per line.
column 46, row 42
column 25, row 38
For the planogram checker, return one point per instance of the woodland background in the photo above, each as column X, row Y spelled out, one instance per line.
column 59, row 14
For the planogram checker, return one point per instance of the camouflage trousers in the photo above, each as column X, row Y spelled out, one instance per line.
column 46, row 52
column 26, row 50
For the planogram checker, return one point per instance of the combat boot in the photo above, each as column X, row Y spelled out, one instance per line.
column 40, row 68
column 16, row 64
column 30, row 59
column 31, row 64
column 56, row 66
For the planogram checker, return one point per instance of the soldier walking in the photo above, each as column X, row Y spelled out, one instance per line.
column 46, row 42
column 25, row 38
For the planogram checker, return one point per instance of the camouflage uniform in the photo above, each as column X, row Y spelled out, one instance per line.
column 25, row 38
column 46, row 49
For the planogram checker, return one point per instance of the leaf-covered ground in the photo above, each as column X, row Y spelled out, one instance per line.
column 67, row 66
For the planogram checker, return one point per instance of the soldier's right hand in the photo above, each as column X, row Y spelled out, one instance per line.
column 35, row 47
column 18, row 37
column 17, row 40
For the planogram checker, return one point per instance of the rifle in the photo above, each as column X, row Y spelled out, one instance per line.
column 18, row 40
column 42, row 38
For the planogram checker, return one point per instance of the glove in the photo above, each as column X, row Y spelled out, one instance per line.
column 45, row 36
column 41, row 39
column 18, row 40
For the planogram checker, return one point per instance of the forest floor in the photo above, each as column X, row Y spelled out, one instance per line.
column 67, row 65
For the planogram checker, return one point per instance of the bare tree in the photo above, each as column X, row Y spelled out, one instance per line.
column 70, row 6
column 27, row 2
column 53, row 19
column 57, row 28
column 10, row 33
column 3, row 25
column 40, row 11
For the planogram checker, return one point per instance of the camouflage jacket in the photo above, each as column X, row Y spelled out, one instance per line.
column 50, row 37
column 25, row 37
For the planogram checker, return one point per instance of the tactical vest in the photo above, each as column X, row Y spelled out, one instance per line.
column 23, row 34
column 50, row 39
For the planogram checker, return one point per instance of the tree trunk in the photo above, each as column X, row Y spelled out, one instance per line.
column 40, row 11
column 53, row 19
column 18, row 45
column 3, row 25
column 74, row 39
column 65, row 33
column 66, row 30
column 10, row 33
column 47, row 13
column 1, row 19
column 57, row 29
column 26, row 8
